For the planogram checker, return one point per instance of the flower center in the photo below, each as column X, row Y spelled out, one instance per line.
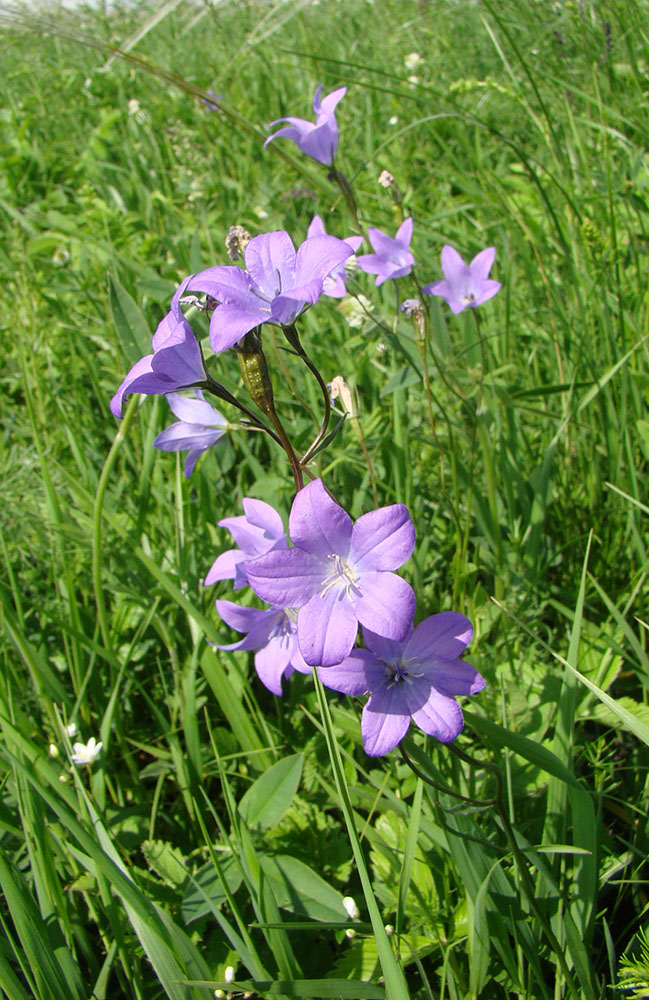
column 343, row 575
column 401, row 671
column 468, row 297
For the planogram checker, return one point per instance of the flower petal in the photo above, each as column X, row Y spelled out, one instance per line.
column 224, row 567
column 195, row 410
column 326, row 629
column 261, row 515
column 287, row 578
column 270, row 262
column 358, row 673
column 229, row 324
column 404, row 233
column 386, row 605
column 440, row 717
column 318, row 256
column 272, row 661
column 382, row 732
column 453, row 266
column 482, row 263
column 382, row 539
column 318, row 524
column 444, row 636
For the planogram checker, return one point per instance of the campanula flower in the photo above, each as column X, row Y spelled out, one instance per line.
column 318, row 139
column 86, row 753
column 392, row 257
column 338, row 574
column 199, row 427
column 334, row 284
column 418, row 677
column 176, row 362
column 257, row 531
column 273, row 634
column 275, row 287
column 465, row 284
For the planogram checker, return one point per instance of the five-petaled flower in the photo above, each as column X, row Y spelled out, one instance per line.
column 257, row 531
column 318, row 139
column 392, row 257
column 465, row 284
column 334, row 283
column 176, row 362
column 86, row 753
column 199, row 426
column 338, row 574
column 273, row 634
column 275, row 287
column 418, row 677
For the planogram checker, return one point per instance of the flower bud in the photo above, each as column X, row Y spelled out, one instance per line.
column 339, row 389
column 350, row 908
column 236, row 241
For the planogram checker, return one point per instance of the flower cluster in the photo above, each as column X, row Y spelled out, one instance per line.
column 331, row 576
column 336, row 575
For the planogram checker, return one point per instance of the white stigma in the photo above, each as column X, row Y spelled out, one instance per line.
column 343, row 575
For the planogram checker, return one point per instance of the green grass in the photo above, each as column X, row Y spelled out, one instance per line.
column 525, row 474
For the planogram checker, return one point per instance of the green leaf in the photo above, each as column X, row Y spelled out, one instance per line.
column 533, row 752
column 129, row 321
column 166, row 861
column 321, row 989
column 272, row 793
column 402, row 379
column 206, row 889
column 300, row 890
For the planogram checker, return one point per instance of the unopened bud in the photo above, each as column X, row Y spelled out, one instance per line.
column 350, row 933
column 229, row 974
column 389, row 930
column 236, row 241
column 387, row 181
column 339, row 389
column 349, row 903
column 53, row 750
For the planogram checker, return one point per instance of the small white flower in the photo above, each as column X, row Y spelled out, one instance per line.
column 412, row 60
column 355, row 310
column 229, row 974
column 386, row 179
column 86, row 753
column 133, row 106
column 394, row 120
column 413, row 80
column 71, row 729
column 350, row 933
column 389, row 930
column 350, row 908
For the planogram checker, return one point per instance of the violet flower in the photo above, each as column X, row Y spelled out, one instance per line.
column 176, row 362
column 416, row 678
column 257, row 531
column 276, row 286
column 339, row 574
column 392, row 258
column 272, row 633
column 199, row 427
column 334, row 284
column 318, row 139
column 465, row 284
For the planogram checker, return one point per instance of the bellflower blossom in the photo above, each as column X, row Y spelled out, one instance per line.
column 199, row 427
column 273, row 634
column 338, row 574
column 392, row 258
column 318, row 139
column 275, row 287
column 334, row 284
column 257, row 531
column 176, row 362
column 418, row 677
column 465, row 284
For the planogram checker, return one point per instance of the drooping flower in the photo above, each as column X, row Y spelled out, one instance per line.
column 418, row 677
column 275, row 287
column 176, row 362
column 465, row 284
column 86, row 753
column 257, row 531
column 273, row 634
column 392, row 257
column 338, row 574
column 334, row 283
column 318, row 139
column 199, row 427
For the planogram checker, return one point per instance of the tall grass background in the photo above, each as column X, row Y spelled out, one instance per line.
column 211, row 831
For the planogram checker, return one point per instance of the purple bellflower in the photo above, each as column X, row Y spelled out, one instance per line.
column 416, row 678
column 334, row 284
column 276, row 286
column 199, row 427
column 176, row 362
column 338, row 574
column 257, row 531
column 392, row 258
column 465, row 284
column 273, row 634
column 318, row 139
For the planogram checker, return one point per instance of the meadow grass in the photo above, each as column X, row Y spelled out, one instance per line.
column 221, row 826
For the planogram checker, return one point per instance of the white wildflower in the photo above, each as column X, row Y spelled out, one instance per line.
column 412, row 60
column 86, row 753
column 350, row 908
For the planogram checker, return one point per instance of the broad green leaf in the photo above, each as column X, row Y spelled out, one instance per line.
column 269, row 797
column 206, row 890
column 300, row 890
